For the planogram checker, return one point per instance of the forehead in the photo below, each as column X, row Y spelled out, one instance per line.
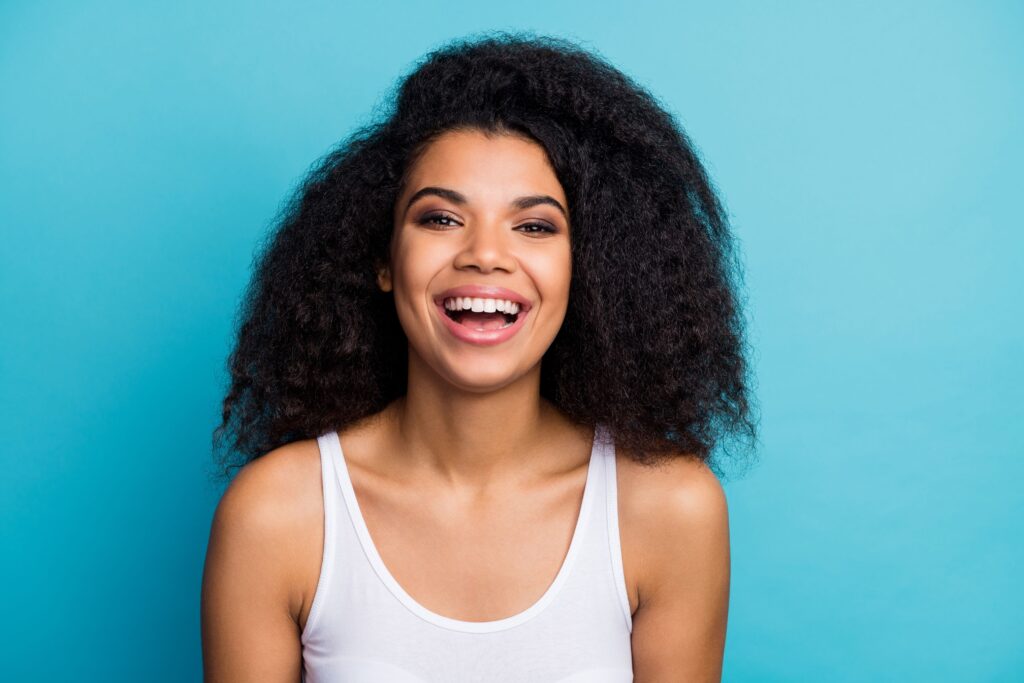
column 483, row 166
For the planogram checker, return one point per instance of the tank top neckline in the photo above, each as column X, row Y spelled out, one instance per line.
column 375, row 560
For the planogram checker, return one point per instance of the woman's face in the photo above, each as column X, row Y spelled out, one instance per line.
column 482, row 220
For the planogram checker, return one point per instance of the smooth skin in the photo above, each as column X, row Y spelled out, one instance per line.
column 471, row 483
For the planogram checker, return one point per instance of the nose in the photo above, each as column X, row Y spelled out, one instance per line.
column 486, row 247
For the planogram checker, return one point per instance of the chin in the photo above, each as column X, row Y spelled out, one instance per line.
column 482, row 377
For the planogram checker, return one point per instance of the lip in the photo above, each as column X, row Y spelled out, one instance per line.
column 482, row 337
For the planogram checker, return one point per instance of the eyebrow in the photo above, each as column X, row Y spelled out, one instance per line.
column 458, row 198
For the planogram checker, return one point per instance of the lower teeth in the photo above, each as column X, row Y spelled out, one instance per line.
column 509, row 323
column 484, row 329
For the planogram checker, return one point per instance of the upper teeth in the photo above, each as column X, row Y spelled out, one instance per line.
column 465, row 303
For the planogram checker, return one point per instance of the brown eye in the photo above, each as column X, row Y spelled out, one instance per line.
column 541, row 228
column 438, row 219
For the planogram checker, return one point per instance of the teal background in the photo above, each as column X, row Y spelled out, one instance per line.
column 870, row 155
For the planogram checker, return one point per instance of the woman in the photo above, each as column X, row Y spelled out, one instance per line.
column 479, row 375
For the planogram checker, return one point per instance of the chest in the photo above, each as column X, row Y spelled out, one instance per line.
column 483, row 560
column 473, row 560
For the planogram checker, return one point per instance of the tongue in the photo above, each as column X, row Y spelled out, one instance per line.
column 482, row 321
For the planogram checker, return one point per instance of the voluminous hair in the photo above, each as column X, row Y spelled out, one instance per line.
column 652, row 344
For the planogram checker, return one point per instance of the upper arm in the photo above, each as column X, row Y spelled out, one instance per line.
column 679, row 627
column 249, row 630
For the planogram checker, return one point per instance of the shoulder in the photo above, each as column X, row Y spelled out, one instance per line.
column 675, row 536
column 268, row 516
column 672, row 514
column 268, row 493
column 253, row 587
column 680, row 493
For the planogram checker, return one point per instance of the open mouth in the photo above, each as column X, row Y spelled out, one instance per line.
column 480, row 320
column 483, row 314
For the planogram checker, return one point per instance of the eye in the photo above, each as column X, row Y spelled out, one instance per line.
column 541, row 228
column 438, row 219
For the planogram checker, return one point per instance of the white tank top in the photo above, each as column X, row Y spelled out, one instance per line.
column 364, row 628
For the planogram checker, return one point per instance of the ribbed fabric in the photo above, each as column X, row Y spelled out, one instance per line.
column 364, row 628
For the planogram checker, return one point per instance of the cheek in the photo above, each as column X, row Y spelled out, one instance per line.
column 407, row 264
column 414, row 264
column 554, row 273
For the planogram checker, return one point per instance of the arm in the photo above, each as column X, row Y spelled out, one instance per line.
column 679, row 627
column 249, row 629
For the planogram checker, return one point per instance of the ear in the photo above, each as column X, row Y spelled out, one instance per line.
column 384, row 277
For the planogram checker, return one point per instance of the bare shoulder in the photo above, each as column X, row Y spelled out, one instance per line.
column 681, row 490
column 270, row 519
column 674, row 529
column 274, row 496
column 264, row 540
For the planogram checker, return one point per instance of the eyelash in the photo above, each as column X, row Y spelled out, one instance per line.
column 545, row 228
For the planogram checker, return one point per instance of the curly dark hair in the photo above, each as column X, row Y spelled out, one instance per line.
column 652, row 344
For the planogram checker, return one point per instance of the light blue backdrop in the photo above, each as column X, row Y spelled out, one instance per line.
column 870, row 158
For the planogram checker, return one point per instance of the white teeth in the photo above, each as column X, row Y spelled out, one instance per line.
column 481, row 305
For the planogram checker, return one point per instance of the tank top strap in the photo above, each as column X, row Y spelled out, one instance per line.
column 330, row 450
column 611, row 513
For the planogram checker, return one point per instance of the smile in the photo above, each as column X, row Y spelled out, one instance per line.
column 481, row 321
column 480, row 313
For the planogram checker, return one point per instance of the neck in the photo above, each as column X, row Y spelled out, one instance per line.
column 472, row 439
